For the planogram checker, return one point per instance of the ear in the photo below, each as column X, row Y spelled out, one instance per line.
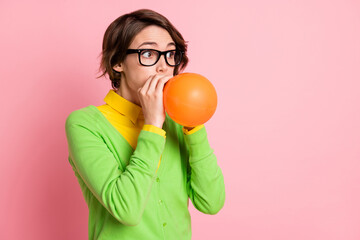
column 118, row 68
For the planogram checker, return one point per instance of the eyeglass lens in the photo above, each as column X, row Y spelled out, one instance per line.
column 150, row 57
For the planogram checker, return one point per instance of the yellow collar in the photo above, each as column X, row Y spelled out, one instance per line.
column 123, row 106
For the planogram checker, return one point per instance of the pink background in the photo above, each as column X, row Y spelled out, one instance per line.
column 286, row 131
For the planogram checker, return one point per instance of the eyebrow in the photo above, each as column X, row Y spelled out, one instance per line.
column 155, row 44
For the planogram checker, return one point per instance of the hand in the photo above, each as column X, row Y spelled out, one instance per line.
column 151, row 99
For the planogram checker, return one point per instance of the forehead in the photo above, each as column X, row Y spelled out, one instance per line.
column 154, row 34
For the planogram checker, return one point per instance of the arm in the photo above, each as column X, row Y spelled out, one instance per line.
column 205, row 184
column 123, row 192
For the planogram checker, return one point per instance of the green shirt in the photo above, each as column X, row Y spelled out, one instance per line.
column 126, row 197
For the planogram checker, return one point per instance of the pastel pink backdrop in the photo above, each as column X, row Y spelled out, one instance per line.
column 286, row 131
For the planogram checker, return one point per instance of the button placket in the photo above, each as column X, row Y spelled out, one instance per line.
column 160, row 203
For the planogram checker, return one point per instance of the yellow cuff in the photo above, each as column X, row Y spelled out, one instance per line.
column 195, row 129
column 154, row 129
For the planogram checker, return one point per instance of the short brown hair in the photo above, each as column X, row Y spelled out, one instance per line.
column 121, row 32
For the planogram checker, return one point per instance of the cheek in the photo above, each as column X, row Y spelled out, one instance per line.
column 135, row 74
column 171, row 71
column 139, row 75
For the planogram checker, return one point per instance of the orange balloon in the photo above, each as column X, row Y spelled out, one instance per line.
column 190, row 99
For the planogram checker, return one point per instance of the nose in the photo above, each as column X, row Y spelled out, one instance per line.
column 161, row 65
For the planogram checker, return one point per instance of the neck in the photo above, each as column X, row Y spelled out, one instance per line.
column 128, row 96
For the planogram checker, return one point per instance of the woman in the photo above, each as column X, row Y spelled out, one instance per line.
column 136, row 167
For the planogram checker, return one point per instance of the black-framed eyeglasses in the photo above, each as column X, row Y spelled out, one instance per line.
column 149, row 57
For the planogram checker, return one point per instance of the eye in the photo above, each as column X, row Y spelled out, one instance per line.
column 147, row 54
column 170, row 54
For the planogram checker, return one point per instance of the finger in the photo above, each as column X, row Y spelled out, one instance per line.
column 162, row 82
column 154, row 82
column 145, row 87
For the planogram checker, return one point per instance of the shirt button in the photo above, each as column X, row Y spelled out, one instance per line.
column 164, row 224
column 158, row 179
column 160, row 201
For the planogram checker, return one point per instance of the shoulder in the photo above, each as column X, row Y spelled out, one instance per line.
column 83, row 116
